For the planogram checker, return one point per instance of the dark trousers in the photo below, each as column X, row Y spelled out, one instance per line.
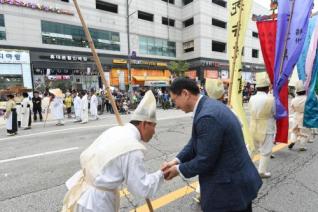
column 35, row 111
column 248, row 209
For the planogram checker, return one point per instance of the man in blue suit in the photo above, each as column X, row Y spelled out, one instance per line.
column 216, row 152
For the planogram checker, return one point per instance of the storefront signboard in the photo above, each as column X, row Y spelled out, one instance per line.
column 156, row 83
column 140, row 62
column 68, row 57
column 224, row 74
column 14, row 56
column 58, row 77
column 214, row 74
column 121, row 76
column 36, row 6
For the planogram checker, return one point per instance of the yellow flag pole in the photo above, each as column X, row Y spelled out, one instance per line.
column 235, row 56
column 101, row 73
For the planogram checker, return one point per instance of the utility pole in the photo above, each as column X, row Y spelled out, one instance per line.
column 128, row 46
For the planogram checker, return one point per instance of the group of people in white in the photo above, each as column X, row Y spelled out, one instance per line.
column 51, row 105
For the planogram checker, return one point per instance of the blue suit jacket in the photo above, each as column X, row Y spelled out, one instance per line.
column 217, row 153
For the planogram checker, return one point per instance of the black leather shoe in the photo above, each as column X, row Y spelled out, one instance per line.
column 291, row 145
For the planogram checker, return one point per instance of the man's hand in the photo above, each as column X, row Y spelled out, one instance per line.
column 167, row 165
column 171, row 172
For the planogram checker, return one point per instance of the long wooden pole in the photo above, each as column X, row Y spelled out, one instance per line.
column 235, row 56
column 101, row 73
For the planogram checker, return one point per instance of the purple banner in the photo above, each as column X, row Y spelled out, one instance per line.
column 291, row 37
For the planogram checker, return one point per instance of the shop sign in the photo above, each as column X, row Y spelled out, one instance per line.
column 14, row 56
column 224, row 74
column 58, row 77
column 68, row 57
column 211, row 74
column 119, row 61
column 156, row 83
column 210, row 64
column 191, row 74
column 148, row 63
column 35, row 6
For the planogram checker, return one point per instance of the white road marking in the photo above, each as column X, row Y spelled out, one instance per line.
column 80, row 128
column 39, row 155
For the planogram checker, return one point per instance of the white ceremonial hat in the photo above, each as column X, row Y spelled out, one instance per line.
column 57, row 92
column 146, row 110
column 214, row 88
column 300, row 86
column 262, row 80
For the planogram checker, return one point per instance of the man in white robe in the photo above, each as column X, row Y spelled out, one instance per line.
column 84, row 108
column 77, row 106
column 11, row 116
column 26, row 106
column 262, row 123
column 115, row 157
column 57, row 106
column 18, row 99
column 299, row 133
column 93, row 105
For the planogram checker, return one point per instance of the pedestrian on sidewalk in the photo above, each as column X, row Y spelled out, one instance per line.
column 262, row 122
column 26, row 106
column 11, row 116
column 57, row 106
column 37, row 106
column 299, row 133
column 115, row 157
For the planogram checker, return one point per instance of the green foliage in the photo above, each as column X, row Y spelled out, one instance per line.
column 178, row 67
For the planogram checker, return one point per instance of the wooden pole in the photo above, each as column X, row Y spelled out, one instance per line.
column 101, row 73
column 235, row 56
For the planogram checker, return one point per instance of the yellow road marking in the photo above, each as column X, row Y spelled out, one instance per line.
column 186, row 190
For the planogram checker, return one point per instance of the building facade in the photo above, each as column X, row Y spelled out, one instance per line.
column 160, row 31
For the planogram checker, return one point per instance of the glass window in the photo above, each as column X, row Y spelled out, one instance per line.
column 218, row 46
column 2, row 28
column 188, row 22
column 70, row 35
column 254, row 53
column 157, row 46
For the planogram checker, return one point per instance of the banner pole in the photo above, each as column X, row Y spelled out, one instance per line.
column 101, row 73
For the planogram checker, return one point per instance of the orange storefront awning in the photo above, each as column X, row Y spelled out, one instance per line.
column 150, row 78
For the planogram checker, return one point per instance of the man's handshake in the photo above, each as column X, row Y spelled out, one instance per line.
column 170, row 169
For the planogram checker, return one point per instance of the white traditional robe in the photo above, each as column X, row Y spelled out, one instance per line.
column 57, row 108
column 262, row 122
column 18, row 100
column 93, row 105
column 77, row 107
column 299, row 132
column 26, row 105
column 116, row 157
column 84, row 109
column 46, row 110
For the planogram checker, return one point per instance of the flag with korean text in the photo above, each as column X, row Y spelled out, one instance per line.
column 239, row 17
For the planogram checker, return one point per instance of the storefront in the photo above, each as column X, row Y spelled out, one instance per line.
column 15, row 69
column 63, row 70
column 143, row 73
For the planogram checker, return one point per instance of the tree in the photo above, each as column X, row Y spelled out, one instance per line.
column 178, row 67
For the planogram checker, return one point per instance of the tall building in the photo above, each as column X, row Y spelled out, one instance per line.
column 43, row 41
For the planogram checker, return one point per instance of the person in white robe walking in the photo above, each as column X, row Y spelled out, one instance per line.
column 84, row 108
column 57, row 106
column 77, row 106
column 18, row 100
column 299, row 133
column 93, row 105
column 11, row 116
column 262, row 122
column 115, row 157
column 26, row 106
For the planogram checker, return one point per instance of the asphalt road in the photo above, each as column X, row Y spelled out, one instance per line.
column 35, row 165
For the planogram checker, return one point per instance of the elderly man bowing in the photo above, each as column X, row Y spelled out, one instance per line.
column 115, row 157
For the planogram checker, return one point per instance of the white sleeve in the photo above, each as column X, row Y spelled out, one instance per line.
column 139, row 182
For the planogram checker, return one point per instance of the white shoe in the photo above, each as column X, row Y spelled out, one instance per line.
column 265, row 175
